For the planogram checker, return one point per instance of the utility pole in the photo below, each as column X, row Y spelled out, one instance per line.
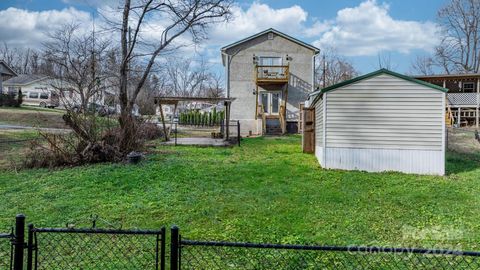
column 94, row 80
column 324, row 71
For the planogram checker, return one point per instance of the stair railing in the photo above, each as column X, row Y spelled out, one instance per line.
column 449, row 113
column 282, row 119
column 264, row 118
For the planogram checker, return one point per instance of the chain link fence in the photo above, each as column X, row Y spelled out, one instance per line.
column 230, row 255
column 98, row 249
column 244, row 256
column 6, row 250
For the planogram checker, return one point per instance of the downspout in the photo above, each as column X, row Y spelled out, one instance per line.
column 227, row 74
column 313, row 70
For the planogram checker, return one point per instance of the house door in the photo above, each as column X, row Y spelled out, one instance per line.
column 271, row 102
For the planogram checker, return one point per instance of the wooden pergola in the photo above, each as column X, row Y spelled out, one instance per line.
column 159, row 101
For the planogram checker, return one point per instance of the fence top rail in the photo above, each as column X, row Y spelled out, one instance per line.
column 6, row 235
column 365, row 249
column 99, row 231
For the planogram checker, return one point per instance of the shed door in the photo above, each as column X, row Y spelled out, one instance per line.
column 309, row 130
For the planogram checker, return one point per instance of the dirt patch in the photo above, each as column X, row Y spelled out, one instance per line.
column 463, row 141
column 32, row 117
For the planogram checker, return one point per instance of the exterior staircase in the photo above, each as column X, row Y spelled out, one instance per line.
column 273, row 127
column 449, row 116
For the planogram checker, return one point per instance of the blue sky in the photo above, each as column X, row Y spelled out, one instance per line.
column 358, row 30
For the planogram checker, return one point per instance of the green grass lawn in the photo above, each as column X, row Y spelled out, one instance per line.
column 265, row 191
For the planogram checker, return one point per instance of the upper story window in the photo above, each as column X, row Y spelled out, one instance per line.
column 468, row 87
column 270, row 61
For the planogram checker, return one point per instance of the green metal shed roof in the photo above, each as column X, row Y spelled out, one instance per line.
column 319, row 93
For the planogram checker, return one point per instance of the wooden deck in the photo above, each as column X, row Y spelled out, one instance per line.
column 271, row 74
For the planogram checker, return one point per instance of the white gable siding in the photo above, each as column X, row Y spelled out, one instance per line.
column 319, row 131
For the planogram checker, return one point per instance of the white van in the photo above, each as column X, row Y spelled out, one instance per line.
column 35, row 89
column 41, row 97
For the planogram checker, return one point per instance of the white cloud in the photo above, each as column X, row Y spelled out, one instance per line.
column 256, row 18
column 368, row 29
column 24, row 28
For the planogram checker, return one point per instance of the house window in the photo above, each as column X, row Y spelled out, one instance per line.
column 270, row 36
column 33, row 95
column 270, row 61
column 468, row 87
column 43, row 95
column 12, row 90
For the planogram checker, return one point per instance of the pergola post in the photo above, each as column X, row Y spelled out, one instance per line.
column 227, row 120
column 163, row 122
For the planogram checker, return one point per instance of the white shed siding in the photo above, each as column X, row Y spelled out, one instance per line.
column 319, row 131
column 378, row 160
column 383, row 123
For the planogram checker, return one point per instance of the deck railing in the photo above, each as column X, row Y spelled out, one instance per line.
column 457, row 99
column 271, row 73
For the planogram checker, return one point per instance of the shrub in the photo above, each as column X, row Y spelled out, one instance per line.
column 150, row 131
column 55, row 150
column 19, row 98
column 8, row 100
column 92, row 141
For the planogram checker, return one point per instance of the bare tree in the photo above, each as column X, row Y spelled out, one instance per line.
column 423, row 65
column 332, row 69
column 22, row 60
column 214, row 86
column 76, row 70
column 385, row 61
column 184, row 77
column 459, row 50
column 179, row 17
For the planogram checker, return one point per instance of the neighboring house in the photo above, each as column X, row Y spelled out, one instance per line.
column 168, row 111
column 268, row 74
column 43, row 91
column 382, row 121
column 196, row 105
column 36, row 89
column 463, row 98
column 218, row 107
column 6, row 73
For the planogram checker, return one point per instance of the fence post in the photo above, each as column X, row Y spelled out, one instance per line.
column 175, row 134
column 238, row 132
column 19, row 242
column 162, row 249
column 174, row 248
column 30, row 247
column 222, row 128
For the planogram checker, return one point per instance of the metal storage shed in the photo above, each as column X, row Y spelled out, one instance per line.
column 381, row 121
